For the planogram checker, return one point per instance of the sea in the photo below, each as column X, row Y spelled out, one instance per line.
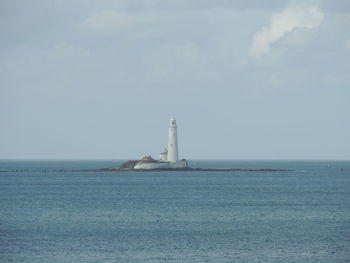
column 52, row 212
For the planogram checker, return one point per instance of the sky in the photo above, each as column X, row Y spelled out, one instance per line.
column 245, row 79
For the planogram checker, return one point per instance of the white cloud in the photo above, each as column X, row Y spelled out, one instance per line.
column 107, row 21
column 283, row 22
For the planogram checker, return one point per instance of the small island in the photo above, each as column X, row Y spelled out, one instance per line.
column 169, row 160
column 129, row 166
column 188, row 169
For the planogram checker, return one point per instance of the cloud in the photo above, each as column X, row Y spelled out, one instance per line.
column 107, row 21
column 283, row 22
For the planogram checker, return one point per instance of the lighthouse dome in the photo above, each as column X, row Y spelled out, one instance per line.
column 172, row 121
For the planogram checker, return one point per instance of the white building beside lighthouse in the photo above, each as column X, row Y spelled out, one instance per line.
column 169, row 159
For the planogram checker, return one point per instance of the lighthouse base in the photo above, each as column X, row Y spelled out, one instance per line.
column 161, row 165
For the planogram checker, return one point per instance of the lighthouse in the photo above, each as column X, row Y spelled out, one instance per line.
column 169, row 159
column 173, row 154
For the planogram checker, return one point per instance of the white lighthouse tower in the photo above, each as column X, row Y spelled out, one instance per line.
column 169, row 159
column 173, row 154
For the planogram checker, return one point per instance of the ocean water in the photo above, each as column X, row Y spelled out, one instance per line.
column 66, row 216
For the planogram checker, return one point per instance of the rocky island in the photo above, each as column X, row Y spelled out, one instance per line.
column 169, row 160
column 129, row 166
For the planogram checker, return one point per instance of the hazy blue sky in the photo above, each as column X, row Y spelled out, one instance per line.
column 245, row 79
